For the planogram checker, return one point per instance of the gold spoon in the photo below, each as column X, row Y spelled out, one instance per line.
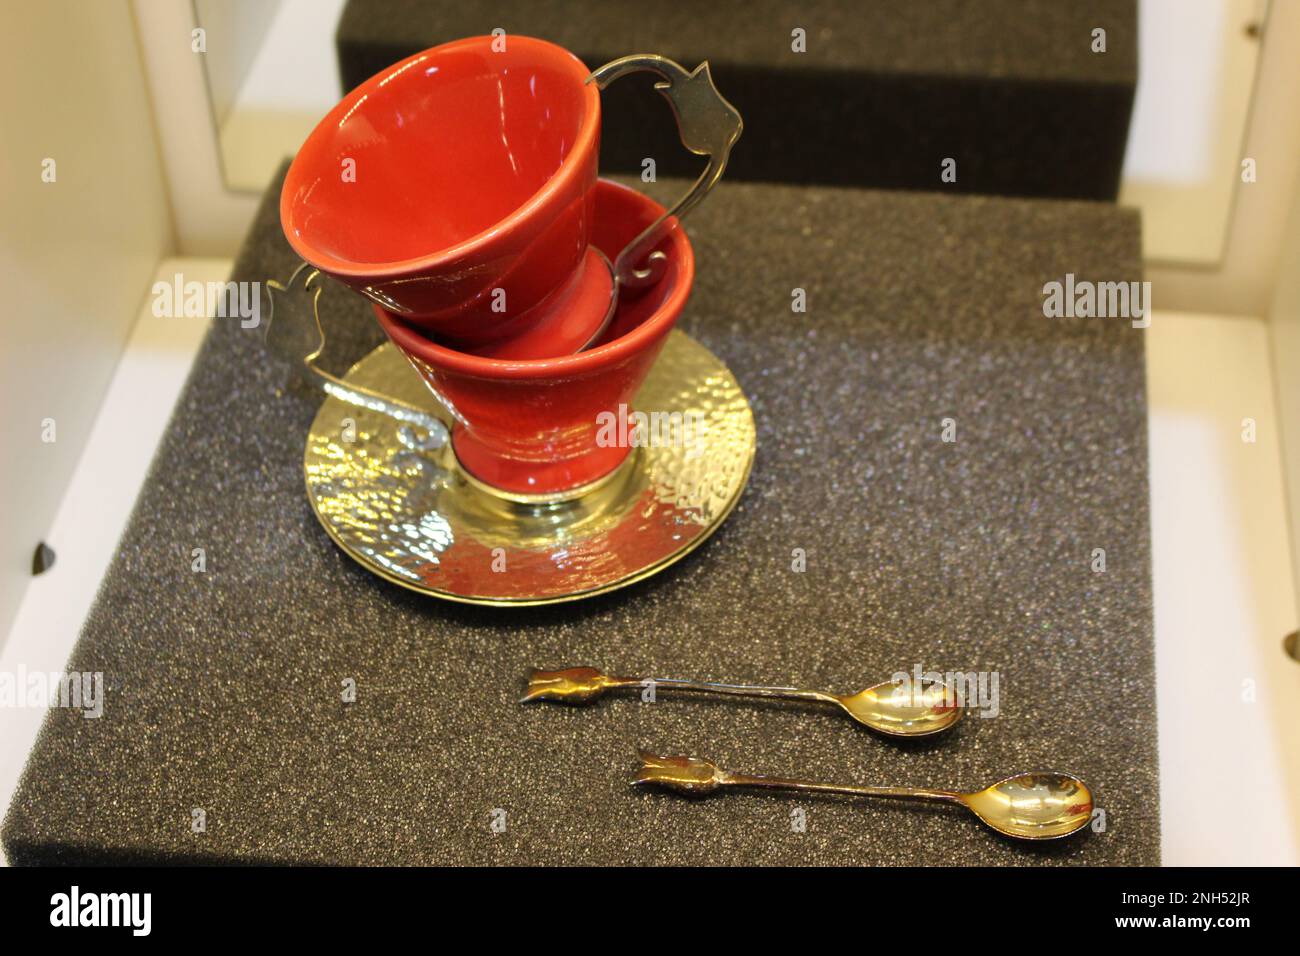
column 1028, row 806
column 891, row 707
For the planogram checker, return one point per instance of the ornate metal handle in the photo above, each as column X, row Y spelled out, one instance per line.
column 708, row 126
column 298, row 336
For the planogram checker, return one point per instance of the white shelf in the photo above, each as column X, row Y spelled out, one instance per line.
column 95, row 508
column 1224, row 598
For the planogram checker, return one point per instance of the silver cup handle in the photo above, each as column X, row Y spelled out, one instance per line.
column 708, row 126
column 295, row 332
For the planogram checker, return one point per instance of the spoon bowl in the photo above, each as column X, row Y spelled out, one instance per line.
column 902, row 709
column 1033, row 806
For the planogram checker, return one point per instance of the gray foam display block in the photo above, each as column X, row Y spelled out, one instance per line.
column 973, row 556
column 883, row 94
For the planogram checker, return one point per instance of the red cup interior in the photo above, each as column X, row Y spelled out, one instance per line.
column 444, row 146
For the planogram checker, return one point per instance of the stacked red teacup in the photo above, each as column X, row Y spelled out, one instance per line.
column 458, row 191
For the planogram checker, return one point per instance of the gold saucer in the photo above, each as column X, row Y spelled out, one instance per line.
column 409, row 513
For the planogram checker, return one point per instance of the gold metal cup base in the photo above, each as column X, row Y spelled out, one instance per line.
column 412, row 515
column 549, row 498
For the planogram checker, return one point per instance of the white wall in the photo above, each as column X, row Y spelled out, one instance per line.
column 1241, row 281
column 234, row 29
column 1284, row 327
column 291, row 83
column 210, row 220
column 1197, row 63
column 76, row 254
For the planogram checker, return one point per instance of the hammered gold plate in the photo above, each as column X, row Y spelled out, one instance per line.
column 409, row 513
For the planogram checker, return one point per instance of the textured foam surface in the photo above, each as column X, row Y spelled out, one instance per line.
column 884, row 92
column 224, row 687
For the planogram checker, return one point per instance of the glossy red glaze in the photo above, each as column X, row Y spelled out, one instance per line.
column 564, row 323
column 474, row 172
column 530, row 426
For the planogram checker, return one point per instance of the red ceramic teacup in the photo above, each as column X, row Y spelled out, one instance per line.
column 456, row 189
column 530, row 427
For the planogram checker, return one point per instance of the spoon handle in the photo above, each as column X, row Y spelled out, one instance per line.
column 695, row 775
column 738, row 690
column 728, row 779
column 582, row 684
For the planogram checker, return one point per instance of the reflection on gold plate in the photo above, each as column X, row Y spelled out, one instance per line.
column 410, row 514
